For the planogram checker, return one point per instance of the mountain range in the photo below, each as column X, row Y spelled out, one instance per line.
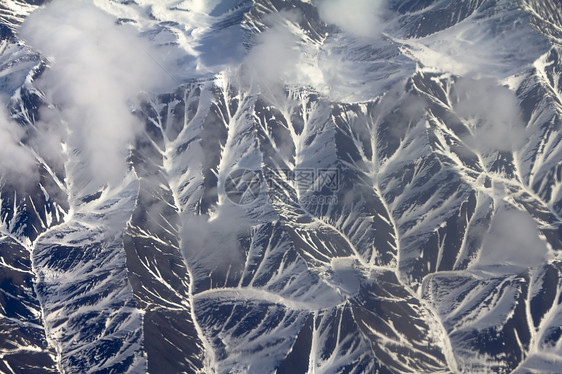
column 281, row 186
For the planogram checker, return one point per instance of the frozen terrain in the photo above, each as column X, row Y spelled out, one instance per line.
column 404, row 165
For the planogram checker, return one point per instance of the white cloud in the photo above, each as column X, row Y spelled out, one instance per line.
column 274, row 54
column 17, row 163
column 494, row 113
column 97, row 70
column 213, row 243
column 513, row 239
column 280, row 57
column 337, row 67
column 357, row 17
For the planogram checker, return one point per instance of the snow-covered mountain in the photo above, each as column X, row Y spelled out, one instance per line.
column 281, row 186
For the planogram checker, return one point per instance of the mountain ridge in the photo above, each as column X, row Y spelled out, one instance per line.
column 164, row 273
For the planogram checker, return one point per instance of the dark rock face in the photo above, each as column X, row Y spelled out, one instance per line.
column 363, row 244
column 23, row 341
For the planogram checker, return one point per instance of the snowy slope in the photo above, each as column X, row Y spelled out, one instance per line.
column 437, row 250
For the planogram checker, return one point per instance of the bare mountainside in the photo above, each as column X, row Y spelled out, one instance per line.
column 281, row 186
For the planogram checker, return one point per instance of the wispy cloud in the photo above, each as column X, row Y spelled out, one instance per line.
column 280, row 57
column 17, row 163
column 357, row 17
column 283, row 55
column 513, row 240
column 214, row 242
column 97, row 68
column 494, row 112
